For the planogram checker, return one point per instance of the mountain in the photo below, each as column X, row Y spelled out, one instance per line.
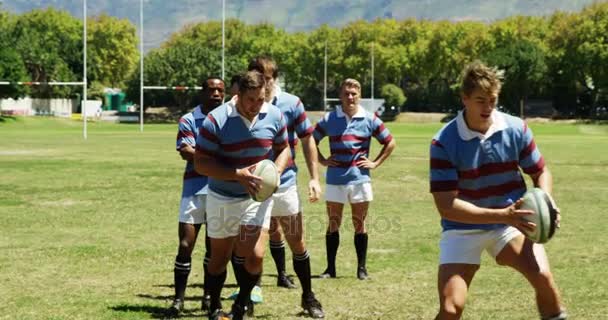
column 161, row 18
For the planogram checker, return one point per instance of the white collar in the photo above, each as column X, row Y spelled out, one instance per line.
column 233, row 112
column 498, row 124
column 198, row 112
column 359, row 114
column 277, row 91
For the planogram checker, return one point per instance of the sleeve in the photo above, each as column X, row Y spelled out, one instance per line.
column 320, row 130
column 207, row 142
column 530, row 159
column 301, row 124
column 380, row 132
column 185, row 133
column 280, row 139
column 443, row 173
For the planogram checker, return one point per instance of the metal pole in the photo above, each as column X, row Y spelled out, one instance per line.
column 84, row 72
column 141, row 65
column 373, row 106
column 223, row 33
column 325, row 78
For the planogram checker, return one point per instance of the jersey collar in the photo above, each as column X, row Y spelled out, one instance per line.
column 498, row 124
column 359, row 114
column 198, row 112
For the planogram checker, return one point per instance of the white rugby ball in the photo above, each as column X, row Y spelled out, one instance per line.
column 544, row 216
column 267, row 170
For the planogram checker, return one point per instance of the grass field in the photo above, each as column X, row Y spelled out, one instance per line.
column 88, row 230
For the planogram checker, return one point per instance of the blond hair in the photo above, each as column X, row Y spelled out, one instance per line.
column 477, row 75
column 351, row 83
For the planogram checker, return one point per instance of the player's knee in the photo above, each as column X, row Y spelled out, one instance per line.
column 185, row 246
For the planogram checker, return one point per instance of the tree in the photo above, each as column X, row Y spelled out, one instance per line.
column 393, row 95
column 50, row 44
column 12, row 69
column 112, row 50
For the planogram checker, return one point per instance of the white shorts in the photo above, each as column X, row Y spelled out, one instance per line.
column 466, row 246
column 225, row 215
column 349, row 193
column 286, row 202
column 192, row 209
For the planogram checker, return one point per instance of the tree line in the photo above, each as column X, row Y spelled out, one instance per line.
column 561, row 58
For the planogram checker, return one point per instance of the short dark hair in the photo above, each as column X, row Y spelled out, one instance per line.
column 235, row 79
column 251, row 80
column 477, row 75
column 264, row 64
column 206, row 82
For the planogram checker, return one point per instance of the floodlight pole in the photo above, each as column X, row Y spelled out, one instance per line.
column 373, row 75
column 84, row 71
column 141, row 65
column 223, row 33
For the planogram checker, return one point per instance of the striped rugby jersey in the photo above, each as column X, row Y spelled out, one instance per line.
column 298, row 126
column 236, row 144
column 188, row 127
column 484, row 169
column 349, row 139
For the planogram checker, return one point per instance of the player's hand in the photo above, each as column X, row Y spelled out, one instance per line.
column 515, row 217
column 248, row 180
column 185, row 150
column 314, row 190
column 365, row 163
column 558, row 218
column 329, row 162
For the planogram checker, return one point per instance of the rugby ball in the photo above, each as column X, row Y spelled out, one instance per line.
column 544, row 216
column 267, row 170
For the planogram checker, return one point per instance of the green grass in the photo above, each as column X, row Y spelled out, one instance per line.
column 88, row 229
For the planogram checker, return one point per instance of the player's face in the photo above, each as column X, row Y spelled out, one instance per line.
column 250, row 102
column 479, row 106
column 269, row 85
column 213, row 96
column 350, row 96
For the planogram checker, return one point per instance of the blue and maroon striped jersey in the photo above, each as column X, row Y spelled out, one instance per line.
column 348, row 141
column 484, row 169
column 298, row 126
column 226, row 137
column 188, row 128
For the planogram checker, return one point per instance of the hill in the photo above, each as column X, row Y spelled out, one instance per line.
column 165, row 17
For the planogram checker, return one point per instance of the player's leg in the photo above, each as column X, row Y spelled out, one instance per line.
column 206, row 302
column 360, row 196
column 190, row 218
column 223, row 217
column 336, row 197
column 293, row 228
column 277, row 251
column 530, row 259
column 249, row 251
column 459, row 259
column 332, row 237
column 453, row 281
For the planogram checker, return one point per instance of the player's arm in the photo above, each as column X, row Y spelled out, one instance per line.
column 186, row 151
column 318, row 134
column 186, row 139
column 386, row 151
column 310, row 150
column 280, row 146
column 454, row 209
column 208, row 165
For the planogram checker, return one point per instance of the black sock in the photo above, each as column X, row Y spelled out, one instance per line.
column 332, row 242
column 181, row 270
column 236, row 261
column 361, row 247
column 206, row 272
column 215, row 285
column 246, row 281
column 277, row 250
column 301, row 264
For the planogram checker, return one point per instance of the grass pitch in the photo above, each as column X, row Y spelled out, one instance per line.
column 88, row 230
